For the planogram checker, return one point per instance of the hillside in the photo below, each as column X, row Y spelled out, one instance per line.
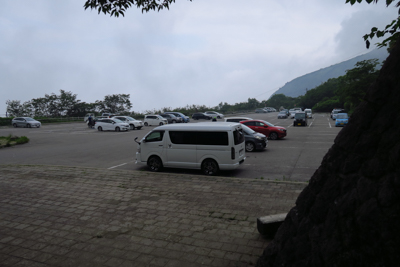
column 309, row 81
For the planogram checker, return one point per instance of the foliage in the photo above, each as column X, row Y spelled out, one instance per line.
column 6, row 141
column 115, row 103
column 392, row 28
column 118, row 7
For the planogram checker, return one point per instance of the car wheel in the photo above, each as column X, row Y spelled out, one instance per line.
column 250, row 147
column 138, row 128
column 132, row 127
column 146, row 124
column 154, row 164
column 28, row 125
column 273, row 136
column 174, row 121
column 100, row 128
column 161, row 123
column 117, row 129
column 209, row 167
column 15, row 125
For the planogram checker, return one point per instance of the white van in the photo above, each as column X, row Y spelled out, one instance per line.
column 209, row 146
column 308, row 111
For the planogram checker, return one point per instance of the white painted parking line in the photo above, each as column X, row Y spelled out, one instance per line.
column 116, row 166
column 330, row 126
column 310, row 124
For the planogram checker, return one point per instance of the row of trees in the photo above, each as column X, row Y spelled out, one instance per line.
column 67, row 104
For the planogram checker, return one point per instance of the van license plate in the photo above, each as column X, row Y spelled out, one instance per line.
column 299, row 124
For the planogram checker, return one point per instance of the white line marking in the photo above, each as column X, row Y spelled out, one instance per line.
column 117, row 166
column 310, row 124
column 330, row 126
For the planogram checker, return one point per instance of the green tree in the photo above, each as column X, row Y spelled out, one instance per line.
column 118, row 7
column 116, row 103
column 392, row 28
column 15, row 108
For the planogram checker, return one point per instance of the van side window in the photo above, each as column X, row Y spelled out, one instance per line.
column 183, row 138
column 199, row 138
column 238, row 137
column 155, row 136
column 212, row 138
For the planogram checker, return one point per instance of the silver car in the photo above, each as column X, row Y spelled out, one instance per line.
column 25, row 122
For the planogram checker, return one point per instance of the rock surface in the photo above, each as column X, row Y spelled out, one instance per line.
column 349, row 213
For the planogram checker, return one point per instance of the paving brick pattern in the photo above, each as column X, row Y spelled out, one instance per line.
column 66, row 216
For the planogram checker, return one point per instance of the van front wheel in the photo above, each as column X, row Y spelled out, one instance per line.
column 209, row 167
column 154, row 163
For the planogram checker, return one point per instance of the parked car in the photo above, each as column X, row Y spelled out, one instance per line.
column 254, row 141
column 237, row 119
column 207, row 146
column 268, row 129
column 287, row 111
column 111, row 124
column 341, row 119
column 282, row 115
column 201, row 116
column 25, row 122
column 300, row 118
column 108, row 115
column 171, row 118
column 292, row 112
column 133, row 123
column 214, row 114
column 308, row 111
column 261, row 110
column 150, row 120
column 335, row 111
column 178, row 114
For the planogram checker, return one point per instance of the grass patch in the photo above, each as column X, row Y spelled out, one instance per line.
column 10, row 140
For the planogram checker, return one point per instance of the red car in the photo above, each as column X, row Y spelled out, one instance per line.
column 268, row 129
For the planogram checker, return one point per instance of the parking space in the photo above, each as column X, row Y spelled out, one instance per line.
column 294, row 158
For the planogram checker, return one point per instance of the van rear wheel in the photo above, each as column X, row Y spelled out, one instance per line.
column 209, row 167
column 154, row 163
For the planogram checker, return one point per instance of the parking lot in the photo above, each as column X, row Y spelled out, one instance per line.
column 294, row 158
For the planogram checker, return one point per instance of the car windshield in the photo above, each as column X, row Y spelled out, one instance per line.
column 247, row 130
column 29, row 119
column 130, row 118
column 300, row 115
column 269, row 124
column 282, row 112
column 308, row 111
column 341, row 116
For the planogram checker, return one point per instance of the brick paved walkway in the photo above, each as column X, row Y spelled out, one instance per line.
column 65, row 216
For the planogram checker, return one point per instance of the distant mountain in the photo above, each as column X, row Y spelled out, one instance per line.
column 311, row 80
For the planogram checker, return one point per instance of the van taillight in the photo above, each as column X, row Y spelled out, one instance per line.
column 232, row 153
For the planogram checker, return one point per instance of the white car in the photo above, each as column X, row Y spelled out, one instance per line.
column 308, row 111
column 237, row 119
column 133, row 123
column 111, row 124
column 214, row 114
column 150, row 120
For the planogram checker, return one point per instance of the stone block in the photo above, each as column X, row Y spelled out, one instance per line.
column 268, row 225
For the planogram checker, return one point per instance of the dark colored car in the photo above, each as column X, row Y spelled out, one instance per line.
column 268, row 129
column 254, row 141
column 300, row 118
column 171, row 118
column 199, row 116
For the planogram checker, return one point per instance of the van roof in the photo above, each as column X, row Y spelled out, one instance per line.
column 200, row 126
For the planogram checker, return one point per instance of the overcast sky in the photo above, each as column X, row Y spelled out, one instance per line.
column 202, row 52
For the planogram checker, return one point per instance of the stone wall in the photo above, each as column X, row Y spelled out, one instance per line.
column 349, row 214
